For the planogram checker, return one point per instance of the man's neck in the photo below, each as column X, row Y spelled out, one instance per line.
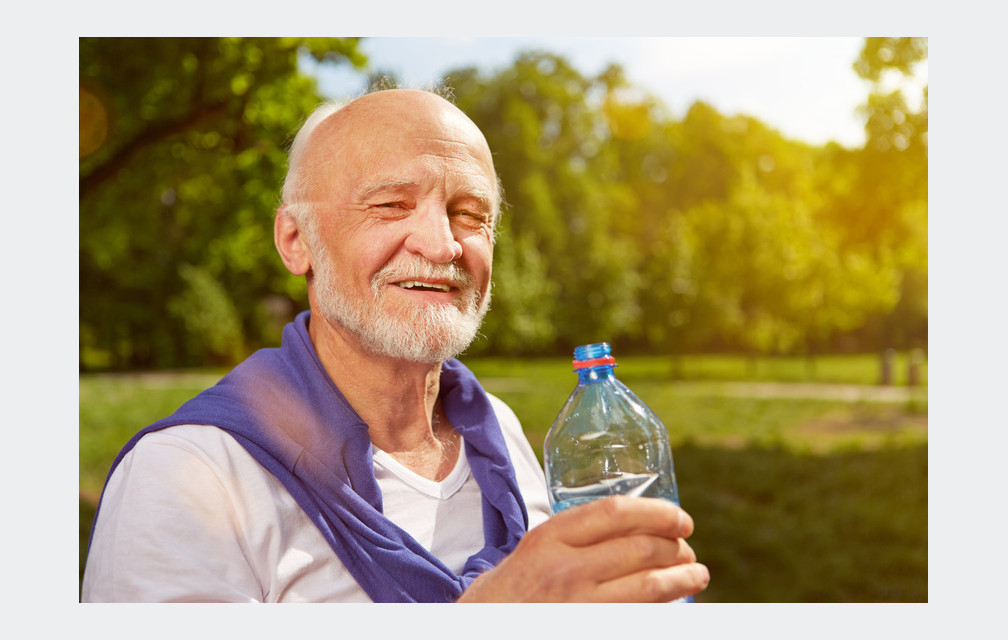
column 397, row 399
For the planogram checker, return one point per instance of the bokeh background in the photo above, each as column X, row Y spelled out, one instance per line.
column 661, row 232
column 765, row 286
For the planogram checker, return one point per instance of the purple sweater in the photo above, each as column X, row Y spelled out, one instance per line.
column 282, row 407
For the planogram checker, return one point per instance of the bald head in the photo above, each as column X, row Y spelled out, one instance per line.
column 356, row 136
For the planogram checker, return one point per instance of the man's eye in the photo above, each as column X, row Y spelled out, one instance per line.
column 472, row 216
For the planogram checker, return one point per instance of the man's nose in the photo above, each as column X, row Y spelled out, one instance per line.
column 431, row 236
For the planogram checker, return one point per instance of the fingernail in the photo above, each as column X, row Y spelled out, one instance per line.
column 704, row 575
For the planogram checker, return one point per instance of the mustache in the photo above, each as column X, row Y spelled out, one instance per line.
column 423, row 269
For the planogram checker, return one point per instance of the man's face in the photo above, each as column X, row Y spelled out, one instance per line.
column 403, row 187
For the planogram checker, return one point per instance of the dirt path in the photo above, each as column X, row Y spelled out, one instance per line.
column 842, row 392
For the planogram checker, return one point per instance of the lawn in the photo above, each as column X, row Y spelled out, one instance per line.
column 800, row 498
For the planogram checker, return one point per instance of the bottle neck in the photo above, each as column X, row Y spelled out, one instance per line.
column 593, row 362
column 590, row 375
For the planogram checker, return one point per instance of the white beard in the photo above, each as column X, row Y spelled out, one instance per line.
column 422, row 333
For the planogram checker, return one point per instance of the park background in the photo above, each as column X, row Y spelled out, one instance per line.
column 765, row 294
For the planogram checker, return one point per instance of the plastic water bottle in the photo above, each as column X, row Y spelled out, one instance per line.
column 606, row 441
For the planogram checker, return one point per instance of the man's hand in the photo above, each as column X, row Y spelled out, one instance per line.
column 615, row 549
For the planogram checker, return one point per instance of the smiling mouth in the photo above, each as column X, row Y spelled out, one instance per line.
column 416, row 285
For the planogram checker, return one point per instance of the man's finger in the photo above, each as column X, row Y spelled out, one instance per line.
column 619, row 557
column 659, row 585
column 619, row 516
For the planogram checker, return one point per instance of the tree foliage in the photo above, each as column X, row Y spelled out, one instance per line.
column 560, row 250
column 705, row 232
column 891, row 187
column 623, row 222
column 182, row 153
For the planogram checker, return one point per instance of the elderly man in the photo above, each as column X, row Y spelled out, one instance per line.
column 360, row 461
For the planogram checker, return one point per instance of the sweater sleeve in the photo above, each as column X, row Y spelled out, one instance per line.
column 169, row 530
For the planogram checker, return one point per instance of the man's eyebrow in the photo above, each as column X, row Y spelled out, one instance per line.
column 374, row 188
column 481, row 196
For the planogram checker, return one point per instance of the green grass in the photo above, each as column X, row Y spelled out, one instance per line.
column 774, row 525
column 837, row 369
column 795, row 499
column 699, row 409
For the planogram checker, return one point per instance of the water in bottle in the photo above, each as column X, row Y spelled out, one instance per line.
column 606, row 441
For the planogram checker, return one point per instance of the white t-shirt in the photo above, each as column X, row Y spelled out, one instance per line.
column 190, row 516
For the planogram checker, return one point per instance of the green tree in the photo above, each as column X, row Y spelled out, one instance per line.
column 182, row 154
column 769, row 244
column 564, row 276
column 622, row 222
column 888, row 208
column 723, row 231
column 705, row 232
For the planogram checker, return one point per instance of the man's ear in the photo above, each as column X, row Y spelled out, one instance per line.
column 291, row 243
